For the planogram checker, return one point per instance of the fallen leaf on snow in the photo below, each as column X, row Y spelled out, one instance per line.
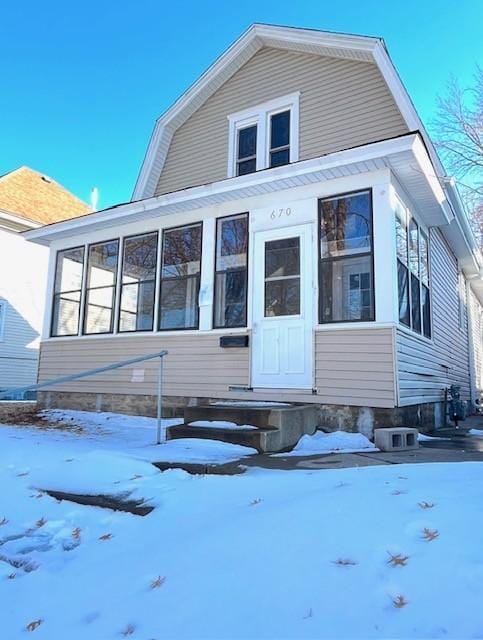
column 426, row 505
column 399, row 602
column 128, row 631
column 160, row 580
column 40, row 523
column 397, row 560
column 256, row 501
column 76, row 533
column 3, row 521
column 344, row 562
column 106, row 536
column 430, row 535
column 33, row 625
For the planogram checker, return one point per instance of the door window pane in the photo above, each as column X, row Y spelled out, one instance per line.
column 138, row 283
column 180, row 278
column 345, row 225
column 67, row 292
column 101, row 285
column 346, row 289
column 246, row 150
column 282, row 297
column 282, row 277
column 282, row 258
column 231, row 271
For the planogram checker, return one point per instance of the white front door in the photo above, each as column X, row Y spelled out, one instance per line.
column 282, row 308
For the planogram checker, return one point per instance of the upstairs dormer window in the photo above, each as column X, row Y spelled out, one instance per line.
column 264, row 137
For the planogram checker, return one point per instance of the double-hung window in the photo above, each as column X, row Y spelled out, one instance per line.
column 138, row 282
column 101, row 287
column 264, row 137
column 346, row 287
column 412, row 245
column 180, row 277
column 67, row 292
column 231, row 271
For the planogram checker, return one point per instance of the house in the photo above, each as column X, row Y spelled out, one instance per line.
column 28, row 200
column 292, row 236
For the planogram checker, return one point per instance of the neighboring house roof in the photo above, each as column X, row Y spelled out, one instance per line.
column 323, row 43
column 35, row 197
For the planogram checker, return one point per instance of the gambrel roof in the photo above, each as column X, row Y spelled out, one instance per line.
column 336, row 45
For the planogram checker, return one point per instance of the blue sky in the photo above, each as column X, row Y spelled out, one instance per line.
column 82, row 83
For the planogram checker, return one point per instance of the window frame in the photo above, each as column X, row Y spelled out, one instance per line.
column 86, row 289
column 321, row 261
column 260, row 115
column 157, row 276
column 157, row 327
column 216, row 271
column 80, row 315
column 421, row 230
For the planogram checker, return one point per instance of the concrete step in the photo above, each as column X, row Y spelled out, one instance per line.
column 279, row 427
column 255, row 438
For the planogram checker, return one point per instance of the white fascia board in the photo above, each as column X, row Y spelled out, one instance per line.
column 239, row 186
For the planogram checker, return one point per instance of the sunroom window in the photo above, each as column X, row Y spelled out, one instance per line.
column 101, row 287
column 346, row 288
column 67, row 292
column 231, row 271
column 138, row 280
column 180, row 278
column 413, row 273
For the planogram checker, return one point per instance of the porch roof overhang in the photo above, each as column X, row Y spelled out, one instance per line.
column 405, row 156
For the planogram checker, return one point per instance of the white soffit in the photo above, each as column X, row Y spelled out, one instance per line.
column 404, row 156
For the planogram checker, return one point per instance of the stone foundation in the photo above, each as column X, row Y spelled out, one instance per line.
column 425, row 417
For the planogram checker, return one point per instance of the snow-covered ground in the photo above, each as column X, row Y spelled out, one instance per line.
column 370, row 552
column 335, row 442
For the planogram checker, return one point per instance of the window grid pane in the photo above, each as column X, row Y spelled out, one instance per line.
column 282, row 277
column 180, row 278
column 231, row 271
column 67, row 292
column 101, row 287
column 136, row 312
column 346, row 287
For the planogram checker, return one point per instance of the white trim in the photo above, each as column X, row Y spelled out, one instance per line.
column 259, row 115
column 3, row 316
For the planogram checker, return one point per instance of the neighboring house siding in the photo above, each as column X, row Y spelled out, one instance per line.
column 23, row 269
column 343, row 103
column 426, row 368
column 355, row 367
column 352, row 367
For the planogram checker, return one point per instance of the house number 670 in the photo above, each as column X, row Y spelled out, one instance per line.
column 280, row 213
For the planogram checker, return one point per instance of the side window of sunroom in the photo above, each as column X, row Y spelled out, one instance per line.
column 412, row 246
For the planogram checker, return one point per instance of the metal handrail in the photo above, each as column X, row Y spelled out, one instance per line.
column 91, row 372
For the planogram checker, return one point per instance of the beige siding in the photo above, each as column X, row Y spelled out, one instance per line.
column 355, row 367
column 425, row 368
column 195, row 366
column 343, row 103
